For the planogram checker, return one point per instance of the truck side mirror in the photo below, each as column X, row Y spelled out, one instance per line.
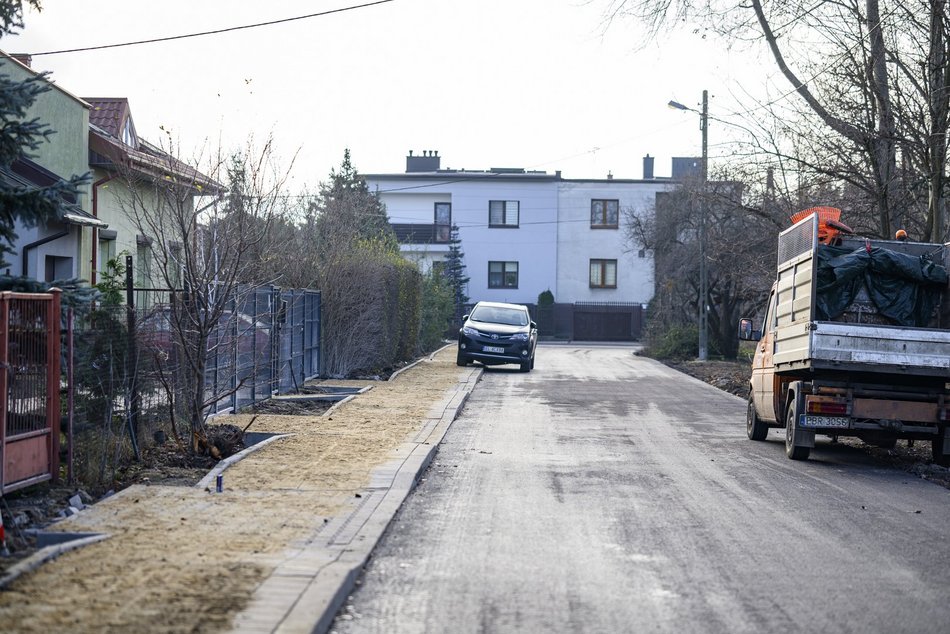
column 747, row 331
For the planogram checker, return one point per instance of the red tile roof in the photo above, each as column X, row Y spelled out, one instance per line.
column 109, row 113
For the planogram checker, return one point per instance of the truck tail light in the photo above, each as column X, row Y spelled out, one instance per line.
column 827, row 407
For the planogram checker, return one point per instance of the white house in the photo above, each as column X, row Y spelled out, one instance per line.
column 523, row 232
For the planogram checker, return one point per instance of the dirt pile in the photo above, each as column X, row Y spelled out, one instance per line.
column 728, row 376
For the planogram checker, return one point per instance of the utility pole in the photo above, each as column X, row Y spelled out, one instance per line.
column 703, row 211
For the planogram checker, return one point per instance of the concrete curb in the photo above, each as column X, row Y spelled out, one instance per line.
column 349, row 398
column 48, row 553
column 305, row 591
column 219, row 468
column 418, row 361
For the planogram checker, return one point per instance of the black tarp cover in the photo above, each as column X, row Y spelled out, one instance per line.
column 904, row 288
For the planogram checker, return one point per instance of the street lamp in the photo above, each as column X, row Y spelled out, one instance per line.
column 704, row 174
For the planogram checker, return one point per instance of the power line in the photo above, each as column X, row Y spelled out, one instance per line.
column 214, row 32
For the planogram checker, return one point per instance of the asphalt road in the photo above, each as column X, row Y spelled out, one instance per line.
column 604, row 492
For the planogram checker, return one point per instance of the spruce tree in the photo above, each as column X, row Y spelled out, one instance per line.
column 454, row 272
column 19, row 136
column 349, row 213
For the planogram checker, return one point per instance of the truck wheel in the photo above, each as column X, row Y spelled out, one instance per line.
column 937, row 445
column 755, row 429
column 793, row 451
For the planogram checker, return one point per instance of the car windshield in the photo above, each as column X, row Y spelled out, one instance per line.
column 500, row 315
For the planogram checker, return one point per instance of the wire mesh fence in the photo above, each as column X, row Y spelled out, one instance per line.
column 132, row 365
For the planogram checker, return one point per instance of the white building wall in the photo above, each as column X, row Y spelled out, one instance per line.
column 533, row 244
column 553, row 244
column 578, row 243
column 412, row 207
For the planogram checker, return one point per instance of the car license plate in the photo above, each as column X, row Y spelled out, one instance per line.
column 825, row 421
column 497, row 349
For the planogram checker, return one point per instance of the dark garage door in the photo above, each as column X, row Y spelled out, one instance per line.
column 606, row 323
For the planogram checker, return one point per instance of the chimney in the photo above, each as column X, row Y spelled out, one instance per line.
column 24, row 58
column 647, row 167
column 429, row 161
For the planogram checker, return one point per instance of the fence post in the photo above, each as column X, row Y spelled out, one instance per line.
column 53, row 415
column 4, row 382
column 131, row 359
column 233, row 351
column 70, row 395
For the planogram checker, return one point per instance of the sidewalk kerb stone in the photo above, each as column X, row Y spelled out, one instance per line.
column 46, row 554
column 208, row 480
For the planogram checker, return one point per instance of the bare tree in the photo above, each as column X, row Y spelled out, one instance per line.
column 871, row 77
column 739, row 250
column 197, row 240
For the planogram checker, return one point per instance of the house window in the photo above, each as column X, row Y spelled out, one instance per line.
column 106, row 250
column 503, row 213
column 58, row 268
column 604, row 214
column 502, row 275
column 128, row 133
column 603, row 273
column 143, row 263
column 175, row 264
column 443, row 221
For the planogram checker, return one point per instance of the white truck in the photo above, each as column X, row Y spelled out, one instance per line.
column 855, row 342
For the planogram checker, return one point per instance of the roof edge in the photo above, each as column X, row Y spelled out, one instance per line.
column 52, row 83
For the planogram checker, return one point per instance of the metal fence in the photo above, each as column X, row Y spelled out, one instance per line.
column 266, row 341
column 29, row 388
column 299, row 353
column 130, row 360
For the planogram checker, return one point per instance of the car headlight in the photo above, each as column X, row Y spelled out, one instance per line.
column 519, row 336
column 469, row 332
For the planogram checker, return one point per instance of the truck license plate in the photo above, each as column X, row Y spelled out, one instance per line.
column 497, row 349
column 825, row 421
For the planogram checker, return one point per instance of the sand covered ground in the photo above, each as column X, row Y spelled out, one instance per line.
column 184, row 559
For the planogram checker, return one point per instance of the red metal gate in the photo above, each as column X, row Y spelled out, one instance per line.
column 29, row 389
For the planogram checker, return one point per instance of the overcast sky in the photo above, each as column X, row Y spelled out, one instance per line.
column 488, row 83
